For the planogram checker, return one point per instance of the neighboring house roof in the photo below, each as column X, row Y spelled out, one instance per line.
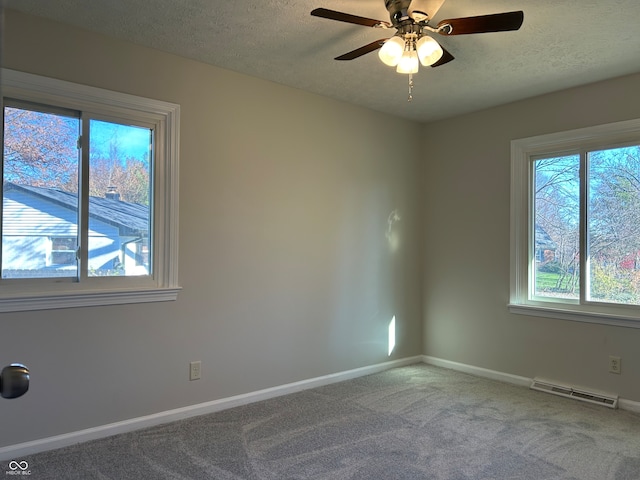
column 543, row 240
column 129, row 218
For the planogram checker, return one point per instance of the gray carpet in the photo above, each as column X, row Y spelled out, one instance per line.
column 416, row 422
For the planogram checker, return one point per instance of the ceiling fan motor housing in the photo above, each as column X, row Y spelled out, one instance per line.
column 398, row 10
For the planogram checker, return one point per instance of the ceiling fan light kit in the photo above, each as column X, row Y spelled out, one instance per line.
column 405, row 51
column 411, row 46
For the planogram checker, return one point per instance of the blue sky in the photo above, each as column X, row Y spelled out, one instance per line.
column 131, row 141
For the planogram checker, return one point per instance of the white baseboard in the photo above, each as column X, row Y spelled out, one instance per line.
column 478, row 371
column 20, row 450
column 629, row 405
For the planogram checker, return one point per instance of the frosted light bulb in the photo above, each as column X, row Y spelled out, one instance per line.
column 391, row 51
column 429, row 51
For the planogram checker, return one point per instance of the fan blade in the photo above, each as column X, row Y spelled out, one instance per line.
column 348, row 18
column 358, row 52
column 497, row 22
column 445, row 58
column 424, row 10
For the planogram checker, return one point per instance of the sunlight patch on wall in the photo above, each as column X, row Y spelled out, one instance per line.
column 392, row 335
column 392, row 233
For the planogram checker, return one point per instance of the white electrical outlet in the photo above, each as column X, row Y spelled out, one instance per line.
column 615, row 365
column 195, row 370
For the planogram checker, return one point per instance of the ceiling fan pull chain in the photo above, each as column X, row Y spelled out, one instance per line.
column 410, row 97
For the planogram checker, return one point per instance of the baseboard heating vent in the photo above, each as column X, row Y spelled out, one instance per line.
column 607, row 400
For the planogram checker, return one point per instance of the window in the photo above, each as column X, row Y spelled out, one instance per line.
column 63, row 251
column 575, row 225
column 90, row 185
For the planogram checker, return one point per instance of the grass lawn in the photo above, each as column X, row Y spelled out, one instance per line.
column 546, row 281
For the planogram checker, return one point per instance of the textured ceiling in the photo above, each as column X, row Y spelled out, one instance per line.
column 561, row 44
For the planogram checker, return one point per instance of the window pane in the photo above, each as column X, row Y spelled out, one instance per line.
column 40, row 193
column 614, row 225
column 557, row 227
column 120, row 160
column 63, row 251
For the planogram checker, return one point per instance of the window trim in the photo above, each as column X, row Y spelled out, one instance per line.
column 164, row 285
column 521, row 205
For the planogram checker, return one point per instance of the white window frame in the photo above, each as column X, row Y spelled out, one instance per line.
column 523, row 152
column 162, row 285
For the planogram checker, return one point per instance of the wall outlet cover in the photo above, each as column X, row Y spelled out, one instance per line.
column 195, row 370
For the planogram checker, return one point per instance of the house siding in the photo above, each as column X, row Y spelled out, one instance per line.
column 25, row 215
column 30, row 221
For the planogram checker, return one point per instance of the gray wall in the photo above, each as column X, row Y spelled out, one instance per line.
column 466, row 275
column 286, row 269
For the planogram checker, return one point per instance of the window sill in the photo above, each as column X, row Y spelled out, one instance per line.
column 602, row 318
column 86, row 299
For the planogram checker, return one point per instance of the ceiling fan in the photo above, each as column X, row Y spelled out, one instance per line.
column 411, row 44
